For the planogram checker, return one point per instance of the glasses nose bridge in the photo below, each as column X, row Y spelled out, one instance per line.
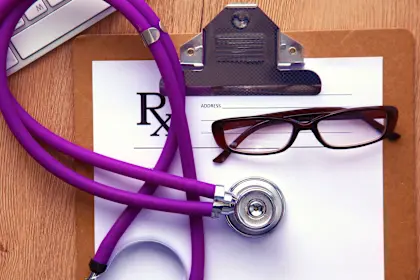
column 307, row 125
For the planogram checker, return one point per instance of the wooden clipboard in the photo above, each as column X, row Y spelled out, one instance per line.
column 397, row 49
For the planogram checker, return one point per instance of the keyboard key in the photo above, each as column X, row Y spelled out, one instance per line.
column 37, row 9
column 20, row 23
column 54, row 2
column 55, row 25
column 11, row 59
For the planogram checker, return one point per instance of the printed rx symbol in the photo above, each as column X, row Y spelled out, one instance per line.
column 144, row 108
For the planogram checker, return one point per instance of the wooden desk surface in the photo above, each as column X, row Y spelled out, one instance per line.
column 37, row 220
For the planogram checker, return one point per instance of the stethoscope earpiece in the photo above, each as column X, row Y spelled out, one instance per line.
column 259, row 207
column 145, row 245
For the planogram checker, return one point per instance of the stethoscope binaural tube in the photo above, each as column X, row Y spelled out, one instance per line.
column 35, row 150
column 10, row 107
column 184, row 141
column 109, row 243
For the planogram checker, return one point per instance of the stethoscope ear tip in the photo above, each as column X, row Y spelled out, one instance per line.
column 92, row 276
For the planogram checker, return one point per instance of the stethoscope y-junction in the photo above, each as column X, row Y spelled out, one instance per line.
column 253, row 206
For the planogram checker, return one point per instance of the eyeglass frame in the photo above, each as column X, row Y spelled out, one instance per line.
column 318, row 114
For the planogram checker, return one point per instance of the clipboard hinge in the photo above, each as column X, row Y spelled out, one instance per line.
column 289, row 53
column 192, row 53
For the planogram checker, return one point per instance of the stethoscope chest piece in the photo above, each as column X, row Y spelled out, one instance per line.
column 259, row 208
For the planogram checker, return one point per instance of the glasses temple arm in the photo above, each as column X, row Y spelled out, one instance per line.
column 380, row 127
column 303, row 112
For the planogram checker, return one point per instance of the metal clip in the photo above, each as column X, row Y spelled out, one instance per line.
column 150, row 35
column 224, row 202
column 162, row 27
column 192, row 54
column 290, row 52
column 243, row 52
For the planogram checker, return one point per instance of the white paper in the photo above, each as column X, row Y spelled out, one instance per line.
column 333, row 225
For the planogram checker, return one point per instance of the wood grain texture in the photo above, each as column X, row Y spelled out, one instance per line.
column 37, row 220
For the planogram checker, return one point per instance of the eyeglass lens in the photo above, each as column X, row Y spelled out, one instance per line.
column 352, row 129
column 259, row 137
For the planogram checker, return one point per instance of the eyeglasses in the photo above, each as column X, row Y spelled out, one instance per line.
column 334, row 128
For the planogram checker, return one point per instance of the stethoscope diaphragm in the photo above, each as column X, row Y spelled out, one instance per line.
column 259, row 207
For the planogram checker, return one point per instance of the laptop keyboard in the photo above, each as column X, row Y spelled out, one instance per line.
column 49, row 23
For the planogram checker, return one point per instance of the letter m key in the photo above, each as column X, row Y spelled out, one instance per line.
column 39, row 7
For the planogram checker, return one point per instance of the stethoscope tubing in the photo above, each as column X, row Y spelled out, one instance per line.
column 130, row 170
column 37, row 152
column 23, row 125
column 183, row 136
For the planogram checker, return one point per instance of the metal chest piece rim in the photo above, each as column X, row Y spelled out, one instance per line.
column 259, row 209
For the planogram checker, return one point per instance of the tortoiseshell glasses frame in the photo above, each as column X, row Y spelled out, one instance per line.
column 303, row 119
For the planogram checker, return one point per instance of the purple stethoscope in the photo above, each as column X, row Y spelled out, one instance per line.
column 253, row 206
